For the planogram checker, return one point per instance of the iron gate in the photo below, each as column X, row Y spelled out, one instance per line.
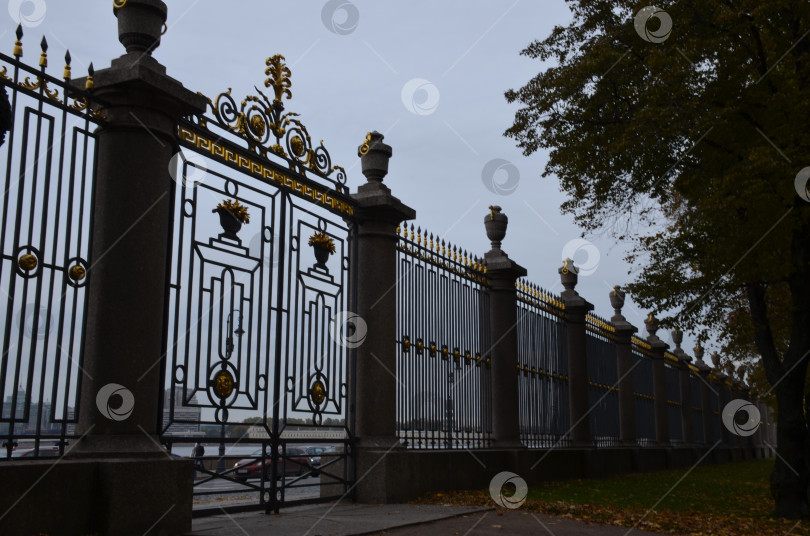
column 47, row 145
column 257, row 362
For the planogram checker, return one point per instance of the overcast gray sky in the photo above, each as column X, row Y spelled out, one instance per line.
column 429, row 75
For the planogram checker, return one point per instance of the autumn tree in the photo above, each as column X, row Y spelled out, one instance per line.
column 681, row 129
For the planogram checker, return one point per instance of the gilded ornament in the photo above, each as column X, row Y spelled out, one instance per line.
column 257, row 125
column 364, row 149
column 88, row 82
column 274, row 120
column 297, row 145
column 79, row 104
column 236, row 209
column 223, row 384
column 18, row 52
column 77, row 272
column 317, row 392
column 322, row 240
column 28, row 84
column 278, row 77
column 27, row 262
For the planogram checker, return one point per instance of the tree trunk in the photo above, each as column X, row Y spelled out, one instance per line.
column 789, row 480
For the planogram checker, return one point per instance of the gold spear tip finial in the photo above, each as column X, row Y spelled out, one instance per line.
column 18, row 52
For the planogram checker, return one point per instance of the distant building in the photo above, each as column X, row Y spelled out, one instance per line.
column 184, row 414
column 48, row 425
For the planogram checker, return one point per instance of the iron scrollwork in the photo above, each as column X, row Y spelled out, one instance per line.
column 265, row 125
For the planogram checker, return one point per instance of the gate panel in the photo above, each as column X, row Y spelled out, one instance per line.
column 47, row 146
column 257, row 361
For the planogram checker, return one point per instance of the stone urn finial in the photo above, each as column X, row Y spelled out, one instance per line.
column 703, row 367
column 140, row 24
column 374, row 156
column 677, row 337
column 699, row 352
column 569, row 274
column 715, row 359
column 651, row 323
column 496, row 223
column 617, row 300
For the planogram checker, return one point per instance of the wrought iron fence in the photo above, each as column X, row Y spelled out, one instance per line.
column 714, row 402
column 696, row 393
column 674, row 412
column 643, row 392
column 444, row 397
column 48, row 147
column 603, row 388
column 543, row 368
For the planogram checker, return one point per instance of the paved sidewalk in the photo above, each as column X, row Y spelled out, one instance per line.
column 343, row 519
column 398, row 520
column 514, row 522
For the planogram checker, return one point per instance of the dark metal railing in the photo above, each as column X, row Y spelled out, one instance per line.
column 695, row 392
column 444, row 397
column 714, row 402
column 542, row 368
column 47, row 144
column 603, row 393
column 674, row 411
column 643, row 393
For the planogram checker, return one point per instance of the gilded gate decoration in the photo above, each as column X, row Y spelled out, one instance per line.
column 260, row 266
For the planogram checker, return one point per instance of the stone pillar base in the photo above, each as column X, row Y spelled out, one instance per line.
column 379, row 474
column 121, row 496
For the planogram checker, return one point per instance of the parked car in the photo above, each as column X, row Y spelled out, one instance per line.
column 296, row 462
column 314, row 452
